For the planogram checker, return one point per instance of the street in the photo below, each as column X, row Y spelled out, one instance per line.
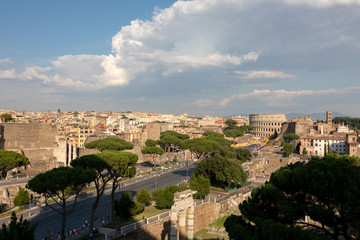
column 49, row 220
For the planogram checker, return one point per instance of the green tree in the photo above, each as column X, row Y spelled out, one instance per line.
column 326, row 190
column 200, row 184
column 10, row 160
column 170, row 140
column 288, row 149
column 18, row 230
column 234, row 133
column 59, row 184
column 230, row 124
column 219, row 138
column 201, row 147
column 243, row 154
column 7, row 117
column 151, row 143
column 212, row 134
column 221, row 171
column 291, row 136
column 182, row 186
column 352, row 160
column 274, row 136
column 304, row 151
column 153, row 152
column 124, row 205
column 110, row 143
column 143, row 196
column 120, row 164
column 22, row 198
column 101, row 168
column 165, row 197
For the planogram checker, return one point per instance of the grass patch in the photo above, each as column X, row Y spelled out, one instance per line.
column 203, row 234
column 8, row 213
column 145, row 173
column 219, row 223
column 149, row 211
column 217, row 189
column 207, row 233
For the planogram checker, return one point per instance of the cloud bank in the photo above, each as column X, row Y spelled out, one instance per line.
column 187, row 35
column 190, row 48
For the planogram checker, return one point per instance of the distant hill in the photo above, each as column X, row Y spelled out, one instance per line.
column 314, row 116
column 289, row 116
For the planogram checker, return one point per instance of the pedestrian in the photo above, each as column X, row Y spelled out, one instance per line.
column 91, row 236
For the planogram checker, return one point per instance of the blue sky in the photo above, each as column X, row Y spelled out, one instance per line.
column 201, row 57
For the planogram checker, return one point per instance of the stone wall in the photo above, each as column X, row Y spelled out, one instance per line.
column 158, row 230
column 205, row 214
column 38, row 142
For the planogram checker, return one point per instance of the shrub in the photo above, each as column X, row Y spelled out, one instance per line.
column 137, row 208
column 164, row 198
column 143, row 196
column 22, row 198
column 124, row 205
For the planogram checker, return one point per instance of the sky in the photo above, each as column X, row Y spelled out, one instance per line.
column 200, row 57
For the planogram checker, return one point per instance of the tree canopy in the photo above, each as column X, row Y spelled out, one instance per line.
column 291, row 136
column 201, row 185
column 230, row 124
column 18, row 230
column 22, row 198
column 170, row 140
column 7, row 117
column 352, row 123
column 110, row 143
column 201, row 147
column 212, row 134
column 326, row 190
column 221, row 171
column 151, row 143
column 153, row 152
column 59, row 184
column 102, row 177
column 143, row 196
column 164, row 198
column 10, row 160
column 233, row 133
column 288, row 149
column 121, row 163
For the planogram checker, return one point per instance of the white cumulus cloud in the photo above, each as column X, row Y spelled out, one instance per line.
column 196, row 36
column 6, row 61
column 7, row 74
column 264, row 74
column 285, row 97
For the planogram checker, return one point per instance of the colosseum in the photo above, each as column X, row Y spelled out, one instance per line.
column 264, row 125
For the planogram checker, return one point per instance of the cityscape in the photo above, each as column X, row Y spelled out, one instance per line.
column 180, row 119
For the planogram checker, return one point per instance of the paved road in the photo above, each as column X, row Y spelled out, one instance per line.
column 14, row 181
column 49, row 220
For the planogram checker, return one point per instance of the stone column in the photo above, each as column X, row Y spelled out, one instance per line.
column 69, row 151
column 182, row 225
column 190, row 223
column 173, row 222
